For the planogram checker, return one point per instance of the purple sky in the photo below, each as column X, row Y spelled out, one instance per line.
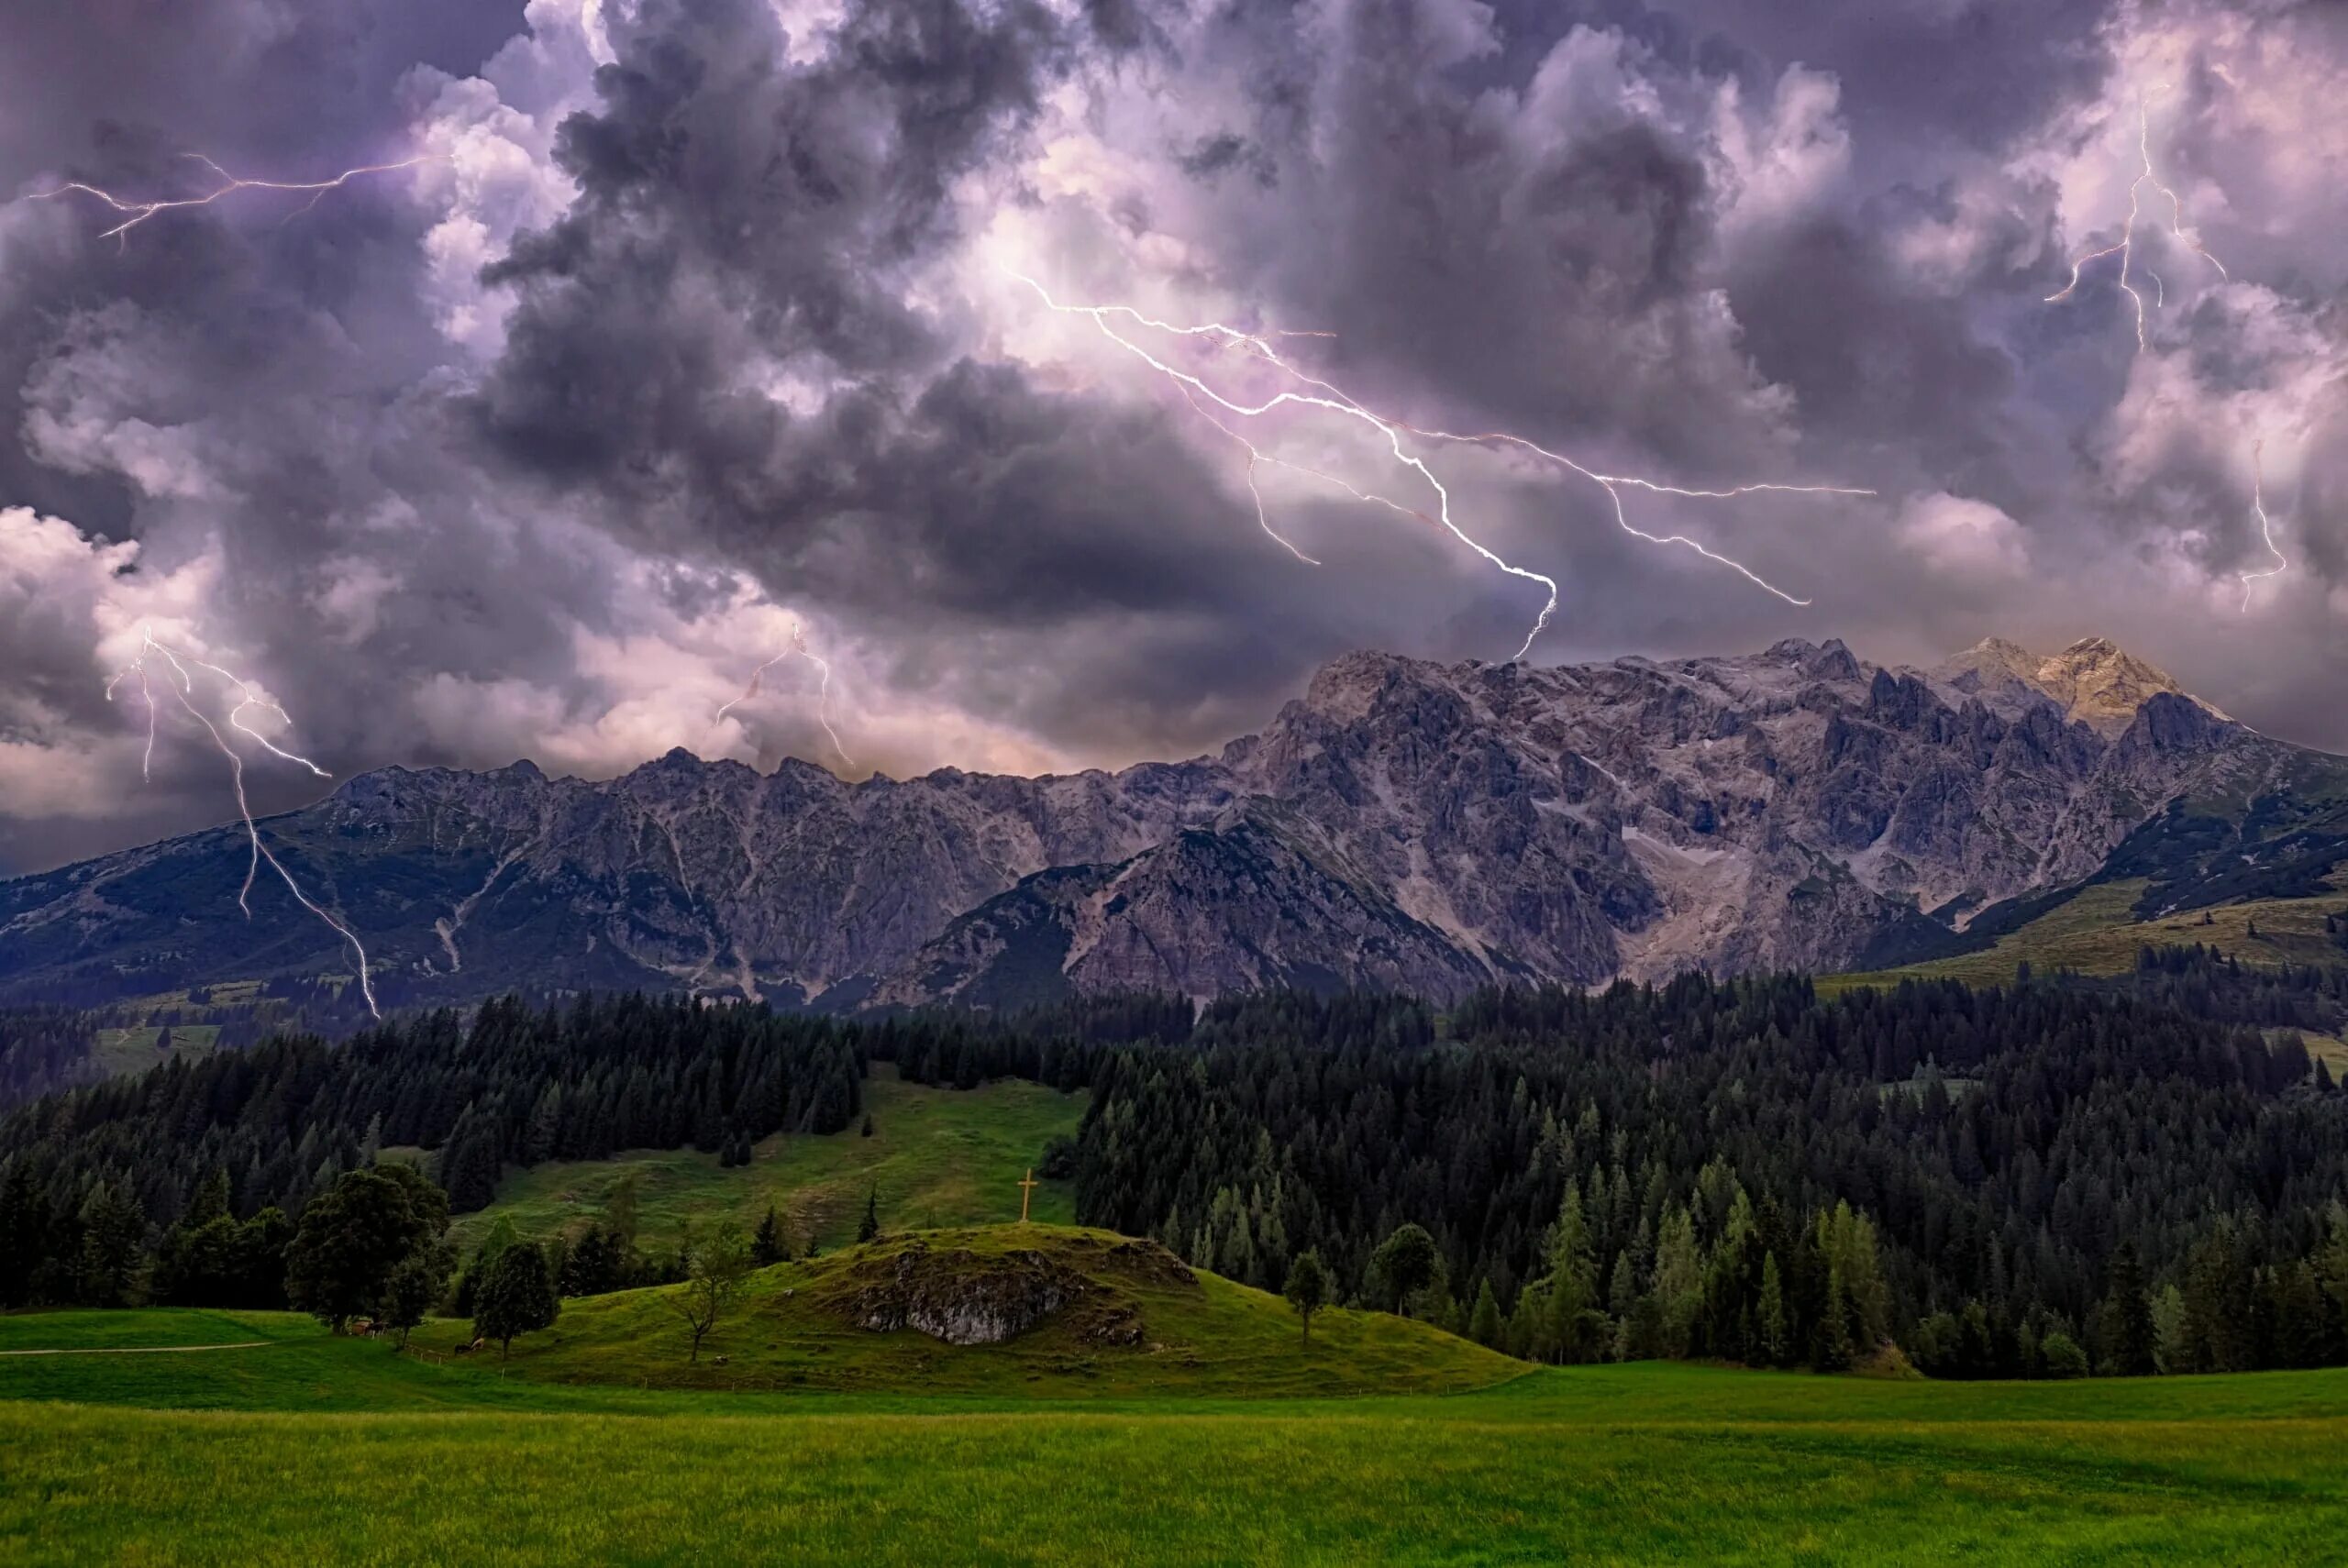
column 702, row 319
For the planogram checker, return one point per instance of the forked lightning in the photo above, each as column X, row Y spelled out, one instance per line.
column 1324, row 395
column 182, row 686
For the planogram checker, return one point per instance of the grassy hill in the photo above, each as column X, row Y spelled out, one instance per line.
column 936, row 1156
column 1135, row 1322
column 2096, row 933
column 322, row 1450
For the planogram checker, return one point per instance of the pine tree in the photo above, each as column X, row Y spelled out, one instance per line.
column 1484, row 1324
column 1679, row 1280
column 209, row 1202
column 869, row 1227
column 24, row 1235
column 1776, row 1334
column 1573, row 1282
column 767, row 1245
column 2131, row 1341
column 114, row 1239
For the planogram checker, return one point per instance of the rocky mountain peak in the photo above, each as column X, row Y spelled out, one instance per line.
column 1403, row 824
column 2094, row 680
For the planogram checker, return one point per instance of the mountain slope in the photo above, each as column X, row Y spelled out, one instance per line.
column 1402, row 824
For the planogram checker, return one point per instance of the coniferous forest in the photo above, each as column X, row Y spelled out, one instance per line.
column 2041, row 1180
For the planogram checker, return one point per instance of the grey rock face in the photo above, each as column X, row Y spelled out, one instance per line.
column 962, row 1299
column 1402, row 824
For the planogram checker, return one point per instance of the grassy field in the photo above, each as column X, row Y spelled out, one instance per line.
column 1218, row 1436
column 2097, row 933
column 938, row 1157
column 119, row 1052
column 1642, row 1464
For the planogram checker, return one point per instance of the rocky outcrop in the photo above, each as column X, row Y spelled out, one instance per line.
column 969, row 1296
column 1402, row 824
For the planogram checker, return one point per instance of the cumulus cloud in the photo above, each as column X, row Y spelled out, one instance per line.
column 703, row 319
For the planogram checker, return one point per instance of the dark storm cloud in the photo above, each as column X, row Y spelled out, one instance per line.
column 741, row 217
column 734, row 205
column 1924, row 79
column 1491, row 237
column 475, row 462
column 238, row 79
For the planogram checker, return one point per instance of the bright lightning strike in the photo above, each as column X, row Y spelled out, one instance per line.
column 139, row 212
column 2126, row 248
column 798, row 649
column 1324, row 395
column 182, row 686
column 2266, row 527
column 2126, row 251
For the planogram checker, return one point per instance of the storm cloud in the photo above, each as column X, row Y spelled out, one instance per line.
column 700, row 320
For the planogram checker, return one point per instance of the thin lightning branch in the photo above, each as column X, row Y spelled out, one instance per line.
column 2266, row 527
column 2126, row 248
column 182, row 688
column 1325, row 395
column 2126, row 251
column 139, row 212
column 798, row 649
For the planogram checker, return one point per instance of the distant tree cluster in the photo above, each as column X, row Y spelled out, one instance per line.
column 43, row 1049
column 1738, row 1170
column 512, row 1086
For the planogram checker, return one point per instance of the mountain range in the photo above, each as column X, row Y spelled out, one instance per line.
column 1403, row 824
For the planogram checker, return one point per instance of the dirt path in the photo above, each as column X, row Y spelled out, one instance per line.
column 139, row 1350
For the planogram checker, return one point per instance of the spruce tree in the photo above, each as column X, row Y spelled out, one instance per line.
column 2130, row 1342
column 1484, row 1324
column 870, row 1226
column 1774, row 1332
column 767, row 1245
column 114, row 1239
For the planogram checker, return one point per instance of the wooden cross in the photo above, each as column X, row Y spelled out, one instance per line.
column 1027, row 1190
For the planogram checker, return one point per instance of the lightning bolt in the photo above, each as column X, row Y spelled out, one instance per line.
column 1318, row 394
column 182, row 686
column 798, row 649
column 2125, row 251
column 139, row 212
column 2266, row 527
column 2126, row 248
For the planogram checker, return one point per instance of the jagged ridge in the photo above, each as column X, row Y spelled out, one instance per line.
column 1403, row 824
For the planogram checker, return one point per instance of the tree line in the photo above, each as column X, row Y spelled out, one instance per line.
column 2007, row 1182
column 2035, row 1180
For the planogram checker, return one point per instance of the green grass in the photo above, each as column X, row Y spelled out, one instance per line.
column 2097, row 933
column 938, row 1157
column 119, row 1052
column 1211, row 1338
column 1653, row 1463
